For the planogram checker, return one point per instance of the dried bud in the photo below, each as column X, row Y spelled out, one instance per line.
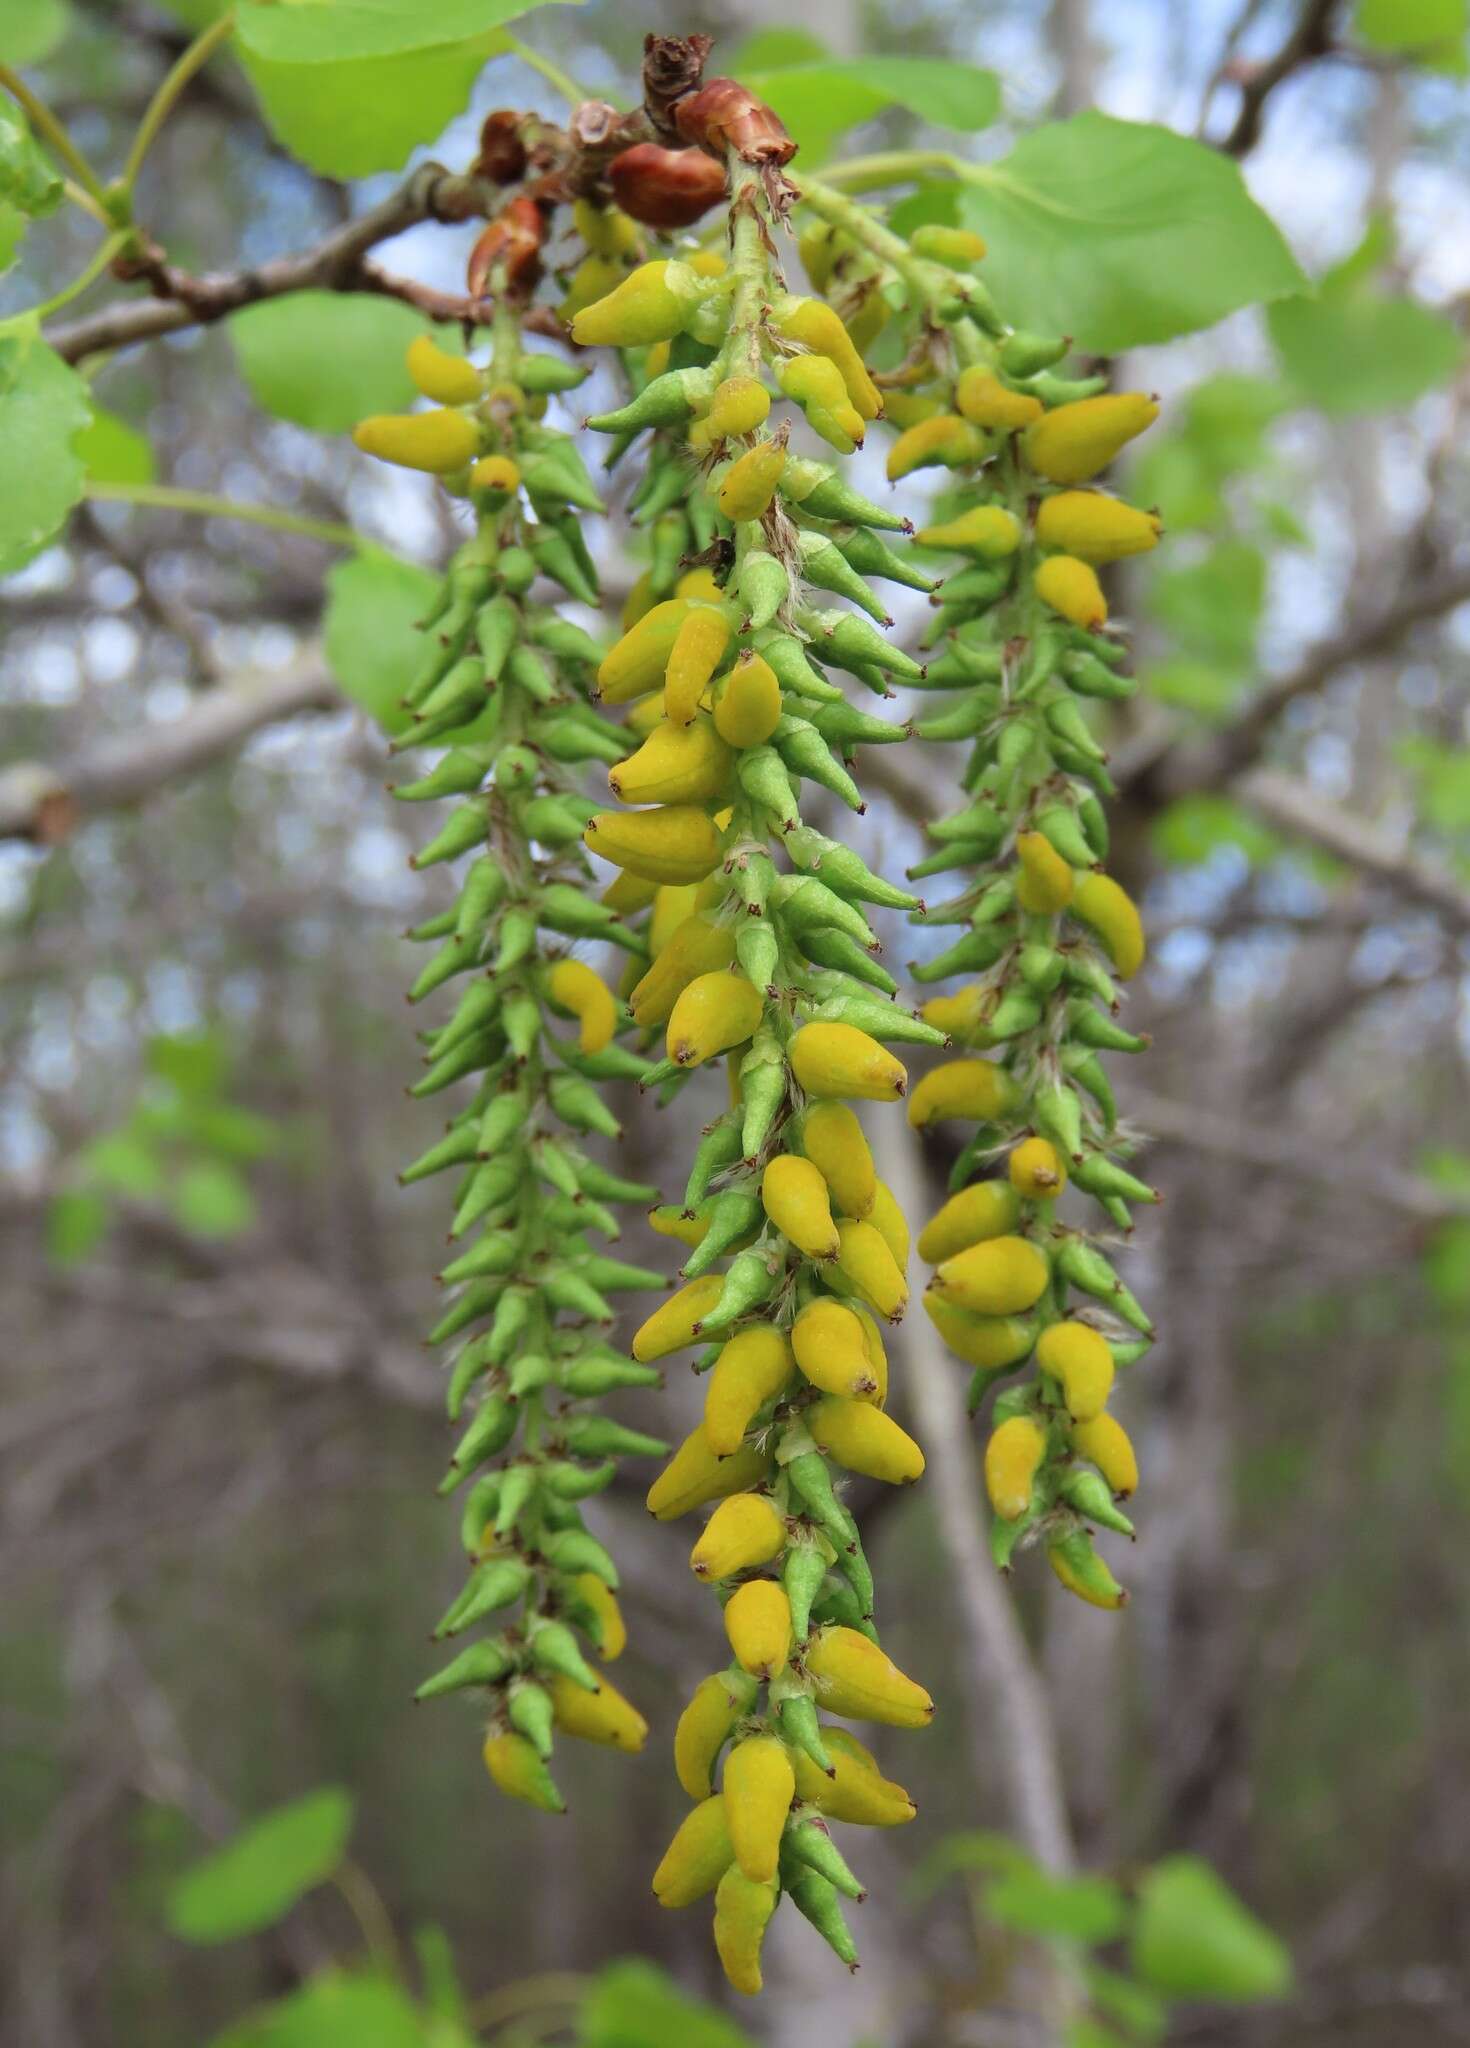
column 511, row 242
column 502, row 157
column 666, row 188
column 723, row 115
column 672, row 67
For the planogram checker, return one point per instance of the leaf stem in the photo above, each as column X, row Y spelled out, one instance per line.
column 552, row 1991
column 564, row 82
column 892, row 167
column 86, row 202
column 365, row 1903
column 169, row 498
column 928, row 290
column 46, row 123
column 100, row 260
column 193, row 60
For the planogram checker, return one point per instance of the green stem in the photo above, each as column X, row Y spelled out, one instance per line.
column 78, row 285
column 162, row 103
column 564, row 82
column 365, row 1903
column 750, row 267
column 892, row 167
column 86, row 202
column 928, row 290
column 854, row 220
column 552, row 1992
column 168, row 498
column 45, row 123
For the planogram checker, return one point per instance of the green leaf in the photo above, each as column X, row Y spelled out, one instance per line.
column 1447, row 1265
column 975, row 1849
column 634, row 2005
column 1447, row 1168
column 1194, row 1939
column 1203, row 688
column 112, row 452
column 236, row 1133
column 212, row 1200
column 326, row 359
column 1455, row 1429
column 194, row 1062
column 126, row 1162
column 352, row 86
column 1189, row 830
column 1433, row 30
column 1120, row 233
column 260, row 1875
column 1141, row 2011
column 1216, row 434
column 335, row 2010
column 44, row 405
column 776, row 49
column 1359, row 352
column 374, row 603
column 76, row 1223
column 1213, row 606
column 1441, row 776
column 818, row 101
column 1086, row 1909
column 33, row 28
column 1090, row 2033
column 27, row 180
column 13, row 226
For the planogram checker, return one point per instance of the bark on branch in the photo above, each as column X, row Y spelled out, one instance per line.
column 337, row 263
column 1157, row 767
column 1298, row 810
column 46, row 804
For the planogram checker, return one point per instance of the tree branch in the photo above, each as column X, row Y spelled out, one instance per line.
column 47, row 804
column 1312, row 37
column 1296, row 1154
column 1298, row 809
column 337, row 263
column 1157, row 767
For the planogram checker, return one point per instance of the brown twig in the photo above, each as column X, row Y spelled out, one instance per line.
column 337, row 263
column 46, row 804
column 1313, row 36
column 1156, row 767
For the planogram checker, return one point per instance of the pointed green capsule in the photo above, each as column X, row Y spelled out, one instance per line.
column 492, row 1428
column 802, row 1730
column 806, row 753
column 821, row 491
column 528, row 1709
column 824, row 565
column 1085, row 1267
column 809, row 1842
column 748, row 1283
column 496, row 1583
column 456, row 1148
column 1087, row 1492
column 844, row 638
column 803, row 1571
column 483, row 1663
column 578, row 1550
column 810, row 1476
column 598, row 1436
column 816, row 1899
column 762, row 586
column 873, row 557
column 663, row 402
column 554, row 1648
column 733, row 1215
